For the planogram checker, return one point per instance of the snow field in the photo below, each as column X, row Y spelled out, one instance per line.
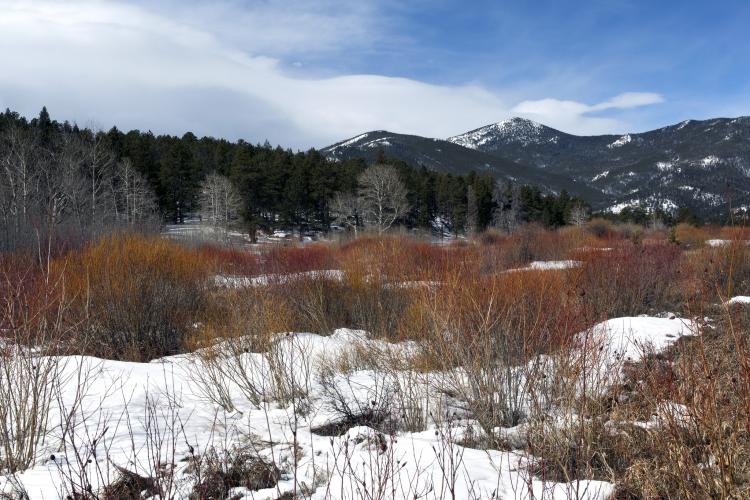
column 140, row 416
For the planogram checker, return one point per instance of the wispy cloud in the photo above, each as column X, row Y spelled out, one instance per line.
column 136, row 67
column 582, row 118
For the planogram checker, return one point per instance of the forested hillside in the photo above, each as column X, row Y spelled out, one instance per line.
column 57, row 174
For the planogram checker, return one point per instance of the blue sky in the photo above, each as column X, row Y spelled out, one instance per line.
column 310, row 72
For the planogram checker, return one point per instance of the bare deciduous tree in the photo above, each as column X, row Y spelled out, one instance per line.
column 18, row 184
column 382, row 197
column 472, row 211
column 347, row 210
column 135, row 201
column 70, row 182
column 579, row 215
column 219, row 200
column 508, row 208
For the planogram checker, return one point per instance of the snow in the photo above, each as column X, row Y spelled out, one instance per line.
column 609, row 346
column 126, row 404
column 518, row 130
column 625, row 139
column 616, row 209
column 665, row 204
column 667, row 412
column 723, row 243
column 710, row 161
column 351, row 141
column 740, row 299
column 664, row 165
column 629, row 338
column 600, row 176
column 376, row 143
column 275, row 279
column 549, row 265
column 718, row 243
column 710, row 198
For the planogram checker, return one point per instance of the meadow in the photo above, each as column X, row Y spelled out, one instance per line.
column 595, row 361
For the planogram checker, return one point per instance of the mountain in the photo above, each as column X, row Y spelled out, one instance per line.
column 445, row 156
column 703, row 165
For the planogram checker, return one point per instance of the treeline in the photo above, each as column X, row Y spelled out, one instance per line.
column 660, row 217
column 278, row 188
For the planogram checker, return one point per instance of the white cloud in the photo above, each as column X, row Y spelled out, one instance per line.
column 629, row 100
column 576, row 117
column 122, row 64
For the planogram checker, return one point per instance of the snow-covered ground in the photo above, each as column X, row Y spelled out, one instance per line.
column 142, row 417
column 276, row 279
column 549, row 265
column 723, row 243
column 740, row 299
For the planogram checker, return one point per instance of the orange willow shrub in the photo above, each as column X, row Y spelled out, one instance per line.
column 701, row 449
column 398, row 258
column 494, row 327
column 253, row 314
column 692, row 236
column 138, row 296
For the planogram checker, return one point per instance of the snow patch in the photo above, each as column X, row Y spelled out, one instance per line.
column 351, row 141
column 664, row 165
column 710, row 161
column 600, row 176
column 549, row 265
column 275, row 279
column 740, row 299
column 625, row 139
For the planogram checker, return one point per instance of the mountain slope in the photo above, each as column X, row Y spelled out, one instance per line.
column 445, row 156
column 704, row 165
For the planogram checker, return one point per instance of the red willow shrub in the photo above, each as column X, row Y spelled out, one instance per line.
column 719, row 273
column 231, row 261
column 631, row 279
column 290, row 259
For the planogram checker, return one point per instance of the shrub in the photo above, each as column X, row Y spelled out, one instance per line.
column 690, row 236
column 290, row 259
column 600, row 228
column 217, row 473
column 631, row 279
column 700, row 440
column 139, row 297
column 230, row 261
column 490, row 328
column 719, row 273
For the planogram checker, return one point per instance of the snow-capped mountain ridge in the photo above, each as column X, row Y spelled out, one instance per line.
column 700, row 164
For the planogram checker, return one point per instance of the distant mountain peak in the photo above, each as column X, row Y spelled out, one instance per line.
column 518, row 121
column 516, row 129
